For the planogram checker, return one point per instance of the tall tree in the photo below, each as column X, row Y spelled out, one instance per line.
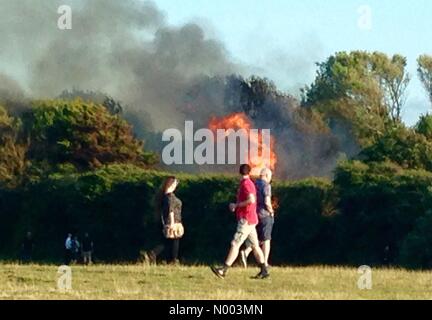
column 425, row 73
column 365, row 90
column 393, row 79
column 346, row 75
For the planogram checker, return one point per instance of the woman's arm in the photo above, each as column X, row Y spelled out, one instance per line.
column 171, row 218
column 250, row 200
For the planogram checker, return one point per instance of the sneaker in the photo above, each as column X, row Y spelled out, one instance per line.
column 219, row 272
column 146, row 258
column 152, row 257
column 243, row 258
column 262, row 275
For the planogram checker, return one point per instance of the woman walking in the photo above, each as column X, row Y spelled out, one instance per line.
column 170, row 208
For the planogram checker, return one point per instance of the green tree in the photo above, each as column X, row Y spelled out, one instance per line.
column 82, row 133
column 402, row 146
column 424, row 126
column 393, row 79
column 113, row 106
column 425, row 73
column 12, row 151
column 365, row 90
column 346, row 76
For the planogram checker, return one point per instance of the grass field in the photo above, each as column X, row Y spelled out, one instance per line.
column 181, row 282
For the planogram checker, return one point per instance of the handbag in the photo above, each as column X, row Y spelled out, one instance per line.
column 175, row 231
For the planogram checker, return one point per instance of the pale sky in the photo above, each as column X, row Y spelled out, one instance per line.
column 284, row 38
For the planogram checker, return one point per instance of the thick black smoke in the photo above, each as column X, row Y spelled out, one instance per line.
column 162, row 74
column 121, row 47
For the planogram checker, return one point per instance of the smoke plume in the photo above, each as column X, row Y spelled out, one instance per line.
column 162, row 74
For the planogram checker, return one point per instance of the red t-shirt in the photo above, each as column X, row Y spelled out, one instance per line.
column 249, row 212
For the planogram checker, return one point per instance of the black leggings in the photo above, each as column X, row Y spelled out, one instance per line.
column 172, row 247
column 168, row 249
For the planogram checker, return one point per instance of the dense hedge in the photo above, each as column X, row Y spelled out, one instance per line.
column 115, row 204
column 349, row 221
column 380, row 205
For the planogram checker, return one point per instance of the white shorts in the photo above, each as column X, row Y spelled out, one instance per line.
column 246, row 232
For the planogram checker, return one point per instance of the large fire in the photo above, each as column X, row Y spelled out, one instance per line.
column 238, row 121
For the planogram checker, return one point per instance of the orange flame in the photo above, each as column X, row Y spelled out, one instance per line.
column 238, row 121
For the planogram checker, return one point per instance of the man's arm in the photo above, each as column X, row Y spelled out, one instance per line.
column 251, row 199
column 269, row 205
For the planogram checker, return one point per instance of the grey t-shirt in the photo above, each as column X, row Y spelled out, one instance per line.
column 263, row 190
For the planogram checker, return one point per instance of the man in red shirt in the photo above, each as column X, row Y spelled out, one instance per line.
column 247, row 219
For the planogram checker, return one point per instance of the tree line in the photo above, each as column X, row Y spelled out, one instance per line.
column 76, row 162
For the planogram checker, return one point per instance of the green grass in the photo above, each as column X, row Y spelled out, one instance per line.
column 181, row 282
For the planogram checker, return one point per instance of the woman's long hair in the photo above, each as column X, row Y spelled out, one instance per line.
column 162, row 191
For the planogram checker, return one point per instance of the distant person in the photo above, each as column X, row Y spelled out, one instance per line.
column 387, row 257
column 170, row 209
column 76, row 249
column 265, row 216
column 27, row 248
column 87, row 249
column 69, row 243
column 247, row 219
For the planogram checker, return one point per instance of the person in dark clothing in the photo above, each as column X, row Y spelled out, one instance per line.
column 170, row 208
column 76, row 250
column 27, row 248
column 87, row 249
column 388, row 256
column 69, row 244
